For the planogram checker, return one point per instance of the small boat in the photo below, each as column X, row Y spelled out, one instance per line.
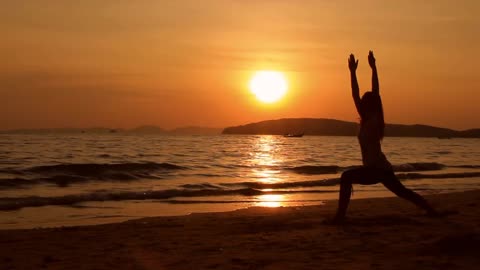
column 293, row 135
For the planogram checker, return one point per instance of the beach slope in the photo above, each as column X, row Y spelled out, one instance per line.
column 386, row 233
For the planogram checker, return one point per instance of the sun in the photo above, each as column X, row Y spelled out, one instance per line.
column 268, row 86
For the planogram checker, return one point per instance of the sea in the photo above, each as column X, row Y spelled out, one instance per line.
column 49, row 180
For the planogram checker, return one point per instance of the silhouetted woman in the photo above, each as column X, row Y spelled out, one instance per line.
column 376, row 168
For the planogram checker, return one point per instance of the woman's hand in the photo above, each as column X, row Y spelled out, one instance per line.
column 371, row 59
column 352, row 64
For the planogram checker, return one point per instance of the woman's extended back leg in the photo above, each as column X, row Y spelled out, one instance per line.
column 393, row 184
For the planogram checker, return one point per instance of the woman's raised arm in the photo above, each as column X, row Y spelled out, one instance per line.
column 375, row 85
column 352, row 65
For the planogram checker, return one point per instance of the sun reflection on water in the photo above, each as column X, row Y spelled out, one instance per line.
column 271, row 200
column 266, row 158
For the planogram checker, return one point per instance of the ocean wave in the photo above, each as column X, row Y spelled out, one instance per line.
column 14, row 182
column 201, row 186
column 467, row 166
column 336, row 181
column 333, row 169
column 66, row 174
column 94, row 169
column 204, row 190
column 310, row 169
column 411, row 176
column 36, row 201
column 67, row 180
column 419, row 166
column 10, row 204
column 236, row 200
column 296, row 184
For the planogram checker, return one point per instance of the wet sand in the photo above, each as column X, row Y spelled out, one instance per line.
column 381, row 233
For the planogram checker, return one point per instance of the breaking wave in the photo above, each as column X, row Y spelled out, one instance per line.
column 333, row 169
column 419, row 166
column 36, row 201
column 310, row 169
column 64, row 175
column 336, row 181
column 67, row 174
column 204, row 190
column 94, row 169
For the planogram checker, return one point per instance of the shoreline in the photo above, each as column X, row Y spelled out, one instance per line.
column 93, row 213
column 380, row 233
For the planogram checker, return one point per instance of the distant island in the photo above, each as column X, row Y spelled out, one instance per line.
column 103, row 130
column 177, row 131
column 332, row 127
column 306, row 126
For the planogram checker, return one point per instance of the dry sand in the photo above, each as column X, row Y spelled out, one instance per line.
column 387, row 233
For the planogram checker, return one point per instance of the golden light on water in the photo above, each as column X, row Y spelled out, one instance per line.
column 271, row 200
column 265, row 160
column 268, row 86
column 265, row 157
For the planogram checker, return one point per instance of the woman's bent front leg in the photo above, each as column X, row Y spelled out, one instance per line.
column 362, row 175
column 344, row 197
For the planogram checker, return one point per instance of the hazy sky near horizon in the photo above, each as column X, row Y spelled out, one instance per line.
column 120, row 63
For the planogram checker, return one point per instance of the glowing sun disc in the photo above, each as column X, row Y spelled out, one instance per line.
column 268, row 86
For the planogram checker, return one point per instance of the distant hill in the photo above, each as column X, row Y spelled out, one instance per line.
column 196, row 131
column 101, row 130
column 147, row 130
column 97, row 130
column 471, row 133
column 177, row 131
column 332, row 127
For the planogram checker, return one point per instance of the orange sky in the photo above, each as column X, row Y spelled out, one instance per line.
column 120, row 63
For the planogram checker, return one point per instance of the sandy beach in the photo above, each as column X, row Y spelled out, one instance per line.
column 220, row 134
column 381, row 233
